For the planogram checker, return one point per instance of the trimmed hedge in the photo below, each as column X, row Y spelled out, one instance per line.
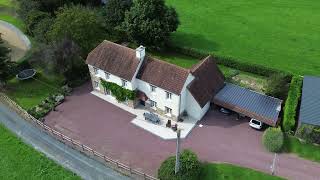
column 290, row 108
column 231, row 62
column 190, row 167
column 119, row 92
column 273, row 139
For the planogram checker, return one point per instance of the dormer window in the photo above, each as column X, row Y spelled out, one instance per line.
column 168, row 95
column 124, row 83
column 152, row 88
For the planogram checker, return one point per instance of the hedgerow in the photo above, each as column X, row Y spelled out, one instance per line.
column 290, row 108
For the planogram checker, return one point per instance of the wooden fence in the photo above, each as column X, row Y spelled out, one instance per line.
column 109, row 162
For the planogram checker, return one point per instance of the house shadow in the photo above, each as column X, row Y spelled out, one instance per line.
column 216, row 118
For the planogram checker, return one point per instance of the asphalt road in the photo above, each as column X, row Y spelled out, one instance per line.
column 62, row 154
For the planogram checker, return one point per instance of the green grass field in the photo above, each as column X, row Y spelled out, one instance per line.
column 6, row 3
column 20, row 161
column 231, row 172
column 30, row 93
column 278, row 34
column 304, row 150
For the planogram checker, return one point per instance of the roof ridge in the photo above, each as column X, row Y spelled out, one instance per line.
column 198, row 65
column 165, row 62
column 113, row 43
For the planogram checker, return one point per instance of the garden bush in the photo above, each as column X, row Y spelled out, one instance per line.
column 273, row 139
column 290, row 108
column 278, row 85
column 309, row 133
column 190, row 167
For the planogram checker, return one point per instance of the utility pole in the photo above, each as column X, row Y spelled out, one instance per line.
column 176, row 170
column 273, row 166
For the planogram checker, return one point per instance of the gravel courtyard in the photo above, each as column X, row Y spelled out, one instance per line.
column 107, row 129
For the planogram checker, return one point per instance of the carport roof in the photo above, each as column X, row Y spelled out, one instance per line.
column 310, row 101
column 250, row 103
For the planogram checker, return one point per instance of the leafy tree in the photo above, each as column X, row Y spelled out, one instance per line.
column 27, row 6
column 273, row 139
column 114, row 14
column 33, row 18
column 42, row 28
column 150, row 22
column 81, row 24
column 278, row 86
column 190, row 167
column 5, row 63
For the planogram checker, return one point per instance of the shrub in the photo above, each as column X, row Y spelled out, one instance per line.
column 289, row 115
column 277, row 85
column 309, row 133
column 190, row 167
column 119, row 92
column 273, row 139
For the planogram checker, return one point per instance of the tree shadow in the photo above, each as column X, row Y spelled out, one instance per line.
column 195, row 41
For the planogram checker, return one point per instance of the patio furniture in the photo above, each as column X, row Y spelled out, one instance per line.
column 151, row 117
column 168, row 125
column 175, row 127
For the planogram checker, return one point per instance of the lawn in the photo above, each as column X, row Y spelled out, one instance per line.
column 229, row 172
column 279, row 34
column 304, row 150
column 20, row 161
column 6, row 3
column 12, row 20
column 30, row 93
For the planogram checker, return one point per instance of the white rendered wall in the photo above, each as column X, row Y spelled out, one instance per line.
column 112, row 78
column 193, row 108
column 159, row 96
column 183, row 105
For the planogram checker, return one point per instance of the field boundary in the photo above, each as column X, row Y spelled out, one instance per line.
column 109, row 162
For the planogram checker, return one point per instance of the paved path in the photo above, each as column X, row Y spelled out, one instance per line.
column 16, row 40
column 62, row 154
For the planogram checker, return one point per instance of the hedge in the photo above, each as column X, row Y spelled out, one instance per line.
column 291, row 104
column 273, row 139
column 119, row 92
column 231, row 62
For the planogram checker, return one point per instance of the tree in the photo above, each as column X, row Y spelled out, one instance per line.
column 33, row 18
column 5, row 64
column 150, row 22
column 273, row 139
column 114, row 14
column 278, row 86
column 42, row 28
column 81, row 24
column 190, row 167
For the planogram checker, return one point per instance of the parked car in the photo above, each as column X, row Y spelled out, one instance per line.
column 256, row 124
column 225, row 111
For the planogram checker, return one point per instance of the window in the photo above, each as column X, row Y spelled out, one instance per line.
column 107, row 75
column 95, row 70
column 153, row 88
column 153, row 104
column 169, row 95
column 124, row 83
column 107, row 91
column 168, row 110
column 96, row 84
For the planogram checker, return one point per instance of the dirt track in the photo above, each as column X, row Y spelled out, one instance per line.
column 15, row 39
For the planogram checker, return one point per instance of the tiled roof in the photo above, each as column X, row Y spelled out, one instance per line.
column 208, row 81
column 310, row 101
column 164, row 75
column 115, row 59
column 249, row 103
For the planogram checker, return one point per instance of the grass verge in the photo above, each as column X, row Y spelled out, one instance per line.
column 229, row 172
column 302, row 149
column 20, row 161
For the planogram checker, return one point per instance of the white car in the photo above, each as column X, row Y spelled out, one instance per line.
column 255, row 124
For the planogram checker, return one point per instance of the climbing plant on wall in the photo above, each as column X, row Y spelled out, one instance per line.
column 119, row 92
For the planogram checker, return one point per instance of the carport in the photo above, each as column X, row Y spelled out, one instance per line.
column 249, row 103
